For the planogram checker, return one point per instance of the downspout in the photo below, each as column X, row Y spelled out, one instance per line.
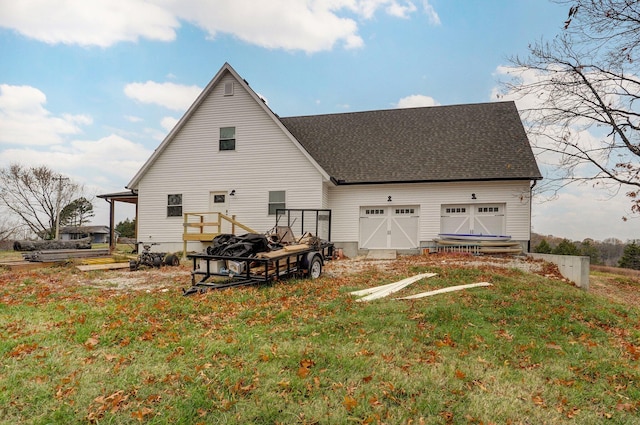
column 535, row 182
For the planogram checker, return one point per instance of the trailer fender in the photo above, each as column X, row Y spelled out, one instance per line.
column 312, row 265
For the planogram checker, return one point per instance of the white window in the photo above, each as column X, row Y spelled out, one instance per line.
column 174, row 205
column 276, row 201
column 227, row 138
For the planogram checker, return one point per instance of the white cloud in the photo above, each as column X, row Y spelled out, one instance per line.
column 89, row 23
column 25, row 121
column 96, row 160
column 581, row 212
column 133, row 118
column 168, row 123
column 432, row 15
column 415, row 101
column 170, row 95
column 310, row 26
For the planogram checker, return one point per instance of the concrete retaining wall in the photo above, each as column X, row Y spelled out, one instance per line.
column 573, row 267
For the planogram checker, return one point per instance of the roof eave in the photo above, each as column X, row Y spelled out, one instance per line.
column 341, row 182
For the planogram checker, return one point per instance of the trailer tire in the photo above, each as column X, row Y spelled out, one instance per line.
column 172, row 260
column 315, row 267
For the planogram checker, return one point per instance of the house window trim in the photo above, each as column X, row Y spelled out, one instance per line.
column 171, row 204
column 222, row 140
column 276, row 205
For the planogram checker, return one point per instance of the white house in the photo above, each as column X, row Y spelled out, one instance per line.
column 392, row 178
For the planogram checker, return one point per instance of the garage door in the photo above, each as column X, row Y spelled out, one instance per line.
column 389, row 227
column 485, row 219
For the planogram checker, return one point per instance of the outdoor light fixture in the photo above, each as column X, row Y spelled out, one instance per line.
column 232, row 193
column 389, row 198
column 473, row 196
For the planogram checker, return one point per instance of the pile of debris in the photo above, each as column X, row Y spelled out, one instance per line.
column 275, row 243
column 56, row 250
column 26, row 245
column 477, row 244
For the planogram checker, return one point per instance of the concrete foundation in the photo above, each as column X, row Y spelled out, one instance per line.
column 573, row 267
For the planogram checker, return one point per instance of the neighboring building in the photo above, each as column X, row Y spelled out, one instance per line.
column 392, row 178
column 98, row 234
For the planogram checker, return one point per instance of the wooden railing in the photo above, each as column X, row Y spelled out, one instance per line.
column 205, row 226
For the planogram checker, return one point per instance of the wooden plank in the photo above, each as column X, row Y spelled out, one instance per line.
column 26, row 265
column 296, row 248
column 384, row 290
column 444, row 290
column 112, row 266
column 202, row 237
column 203, row 224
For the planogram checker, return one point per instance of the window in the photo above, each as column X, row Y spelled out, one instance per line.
column 488, row 209
column 174, row 205
column 227, row 138
column 276, row 201
column 456, row 210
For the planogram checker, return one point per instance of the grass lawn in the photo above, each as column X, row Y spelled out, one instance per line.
column 124, row 347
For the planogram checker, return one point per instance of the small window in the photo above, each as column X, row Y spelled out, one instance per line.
column 276, row 201
column 227, row 138
column 219, row 199
column 174, row 205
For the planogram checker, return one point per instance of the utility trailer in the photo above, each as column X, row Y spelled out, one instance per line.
column 292, row 259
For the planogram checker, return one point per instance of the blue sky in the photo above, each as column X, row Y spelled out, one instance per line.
column 91, row 87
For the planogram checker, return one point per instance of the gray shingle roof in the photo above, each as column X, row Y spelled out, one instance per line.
column 441, row 143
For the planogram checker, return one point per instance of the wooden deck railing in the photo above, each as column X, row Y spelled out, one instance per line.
column 205, row 226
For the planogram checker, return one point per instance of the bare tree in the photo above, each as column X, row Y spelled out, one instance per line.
column 36, row 196
column 580, row 92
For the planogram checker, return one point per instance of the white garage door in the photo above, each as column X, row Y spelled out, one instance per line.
column 485, row 219
column 389, row 227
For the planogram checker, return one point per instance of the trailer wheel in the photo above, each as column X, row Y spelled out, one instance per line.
column 315, row 267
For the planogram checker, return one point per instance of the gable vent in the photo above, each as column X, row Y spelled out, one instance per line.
column 228, row 88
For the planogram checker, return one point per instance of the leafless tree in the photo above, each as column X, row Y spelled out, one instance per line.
column 36, row 196
column 580, row 93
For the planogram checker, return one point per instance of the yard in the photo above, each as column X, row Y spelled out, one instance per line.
column 127, row 347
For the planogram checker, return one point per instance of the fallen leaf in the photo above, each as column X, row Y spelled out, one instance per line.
column 349, row 403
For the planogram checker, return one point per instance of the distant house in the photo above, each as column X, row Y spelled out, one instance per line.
column 392, row 179
column 98, row 234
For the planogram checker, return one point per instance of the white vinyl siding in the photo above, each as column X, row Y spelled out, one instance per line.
column 191, row 165
column 345, row 202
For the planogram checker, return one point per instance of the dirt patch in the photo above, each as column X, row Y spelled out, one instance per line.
column 162, row 279
column 356, row 265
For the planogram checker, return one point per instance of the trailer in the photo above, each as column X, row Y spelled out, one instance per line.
column 285, row 256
